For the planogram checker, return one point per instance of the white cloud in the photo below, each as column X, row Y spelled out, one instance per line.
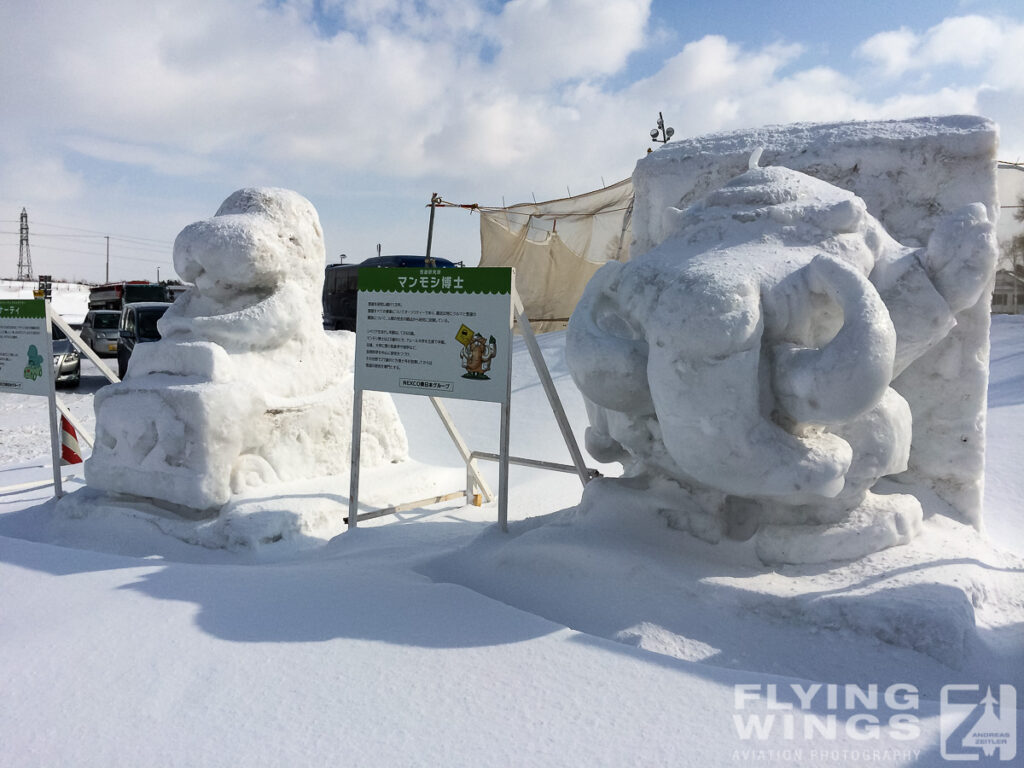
column 978, row 56
column 486, row 99
column 33, row 179
column 893, row 51
column 968, row 42
column 157, row 159
column 426, row 19
column 712, row 65
column 547, row 41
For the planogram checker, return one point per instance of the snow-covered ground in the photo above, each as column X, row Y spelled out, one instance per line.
column 429, row 638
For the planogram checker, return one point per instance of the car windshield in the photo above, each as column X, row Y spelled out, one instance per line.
column 56, row 333
column 146, row 323
column 106, row 320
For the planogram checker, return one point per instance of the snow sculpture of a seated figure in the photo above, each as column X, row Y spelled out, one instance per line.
column 741, row 370
column 244, row 389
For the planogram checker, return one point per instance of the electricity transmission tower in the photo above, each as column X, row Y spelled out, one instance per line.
column 24, row 257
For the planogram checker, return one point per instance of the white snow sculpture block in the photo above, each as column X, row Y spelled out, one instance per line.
column 244, row 389
column 774, row 351
column 910, row 174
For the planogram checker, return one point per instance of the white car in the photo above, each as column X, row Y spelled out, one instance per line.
column 99, row 331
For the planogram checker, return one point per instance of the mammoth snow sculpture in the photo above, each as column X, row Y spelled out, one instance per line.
column 244, row 389
column 747, row 362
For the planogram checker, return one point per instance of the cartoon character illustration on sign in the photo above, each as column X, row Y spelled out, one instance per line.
column 34, row 369
column 476, row 354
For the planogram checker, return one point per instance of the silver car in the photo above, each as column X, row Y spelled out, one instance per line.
column 67, row 366
column 99, row 331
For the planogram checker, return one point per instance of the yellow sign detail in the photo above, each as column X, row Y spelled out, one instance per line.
column 464, row 335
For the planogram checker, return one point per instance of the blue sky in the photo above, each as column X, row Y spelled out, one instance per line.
column 134, row 119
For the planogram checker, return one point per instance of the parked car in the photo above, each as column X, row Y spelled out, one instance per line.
column 341, row 286
column 67, row 365
column 99, row 331
column 137, row 326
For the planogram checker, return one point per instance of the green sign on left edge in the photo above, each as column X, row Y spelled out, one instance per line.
column 23, row 309
column 25, row 364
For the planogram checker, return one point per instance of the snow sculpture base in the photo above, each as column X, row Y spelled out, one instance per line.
column 269, row 523
column 245, row 391
column 912, row 596
column 877, row 523
column 201, row 443
column 947, row 597
column 771, row 352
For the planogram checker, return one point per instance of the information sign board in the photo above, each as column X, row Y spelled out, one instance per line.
column 26, row 359
column 439, row 332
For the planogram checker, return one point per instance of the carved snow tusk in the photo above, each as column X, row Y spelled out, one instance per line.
column 848, row 375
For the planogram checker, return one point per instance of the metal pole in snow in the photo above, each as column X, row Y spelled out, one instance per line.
column 58, row 489
column 357, row 431
column 506, row 419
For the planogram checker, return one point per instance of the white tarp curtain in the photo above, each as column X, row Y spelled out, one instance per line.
column 556, row 246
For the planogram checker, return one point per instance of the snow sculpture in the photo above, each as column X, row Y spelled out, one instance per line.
column 244, row 389
column 746, row 362
column 911, row 174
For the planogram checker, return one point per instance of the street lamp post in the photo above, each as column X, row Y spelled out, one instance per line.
column 661, row 133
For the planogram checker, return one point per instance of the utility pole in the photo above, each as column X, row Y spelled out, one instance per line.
column 107, row 280
column 24, row 257
column 434, row 200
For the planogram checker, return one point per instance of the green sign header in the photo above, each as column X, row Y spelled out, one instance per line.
column 457, row 280
column 26, row 309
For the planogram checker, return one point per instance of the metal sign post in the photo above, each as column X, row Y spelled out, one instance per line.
column 448, row 333
column 438, row 332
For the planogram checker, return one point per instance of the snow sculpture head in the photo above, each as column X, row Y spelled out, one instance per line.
column 256, row 266
column 749, row 358
column 244, row 389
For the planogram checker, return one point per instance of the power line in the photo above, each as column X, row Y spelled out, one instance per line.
column 134, row 247
column 139, row 246
column 66, row 250
column 102, row 234
column 90, row 232
column 136, row 258
column 100, row 254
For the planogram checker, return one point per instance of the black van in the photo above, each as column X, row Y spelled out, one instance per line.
column 341, row 286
